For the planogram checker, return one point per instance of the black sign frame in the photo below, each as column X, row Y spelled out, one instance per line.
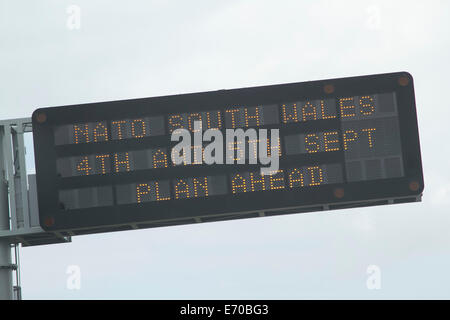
column 126, row 217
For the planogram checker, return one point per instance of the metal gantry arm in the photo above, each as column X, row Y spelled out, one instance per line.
column 19, row 213
column 20, row 176
column 22, row 204
column 15, row 176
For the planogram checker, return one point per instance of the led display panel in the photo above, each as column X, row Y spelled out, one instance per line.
column 341, row 143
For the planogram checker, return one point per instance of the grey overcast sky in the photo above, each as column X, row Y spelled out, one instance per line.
column 131, row 49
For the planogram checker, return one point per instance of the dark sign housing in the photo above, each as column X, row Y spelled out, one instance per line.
column 343, row 143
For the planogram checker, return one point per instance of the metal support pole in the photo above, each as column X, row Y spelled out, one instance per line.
column 19, row 222
column 6, row 265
